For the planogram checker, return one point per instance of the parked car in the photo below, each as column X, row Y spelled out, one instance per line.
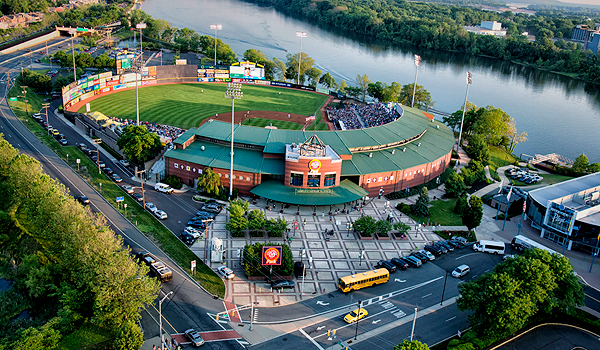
column 461, row 271
column 356, row 315
column 83, row 200
column 160, row 214
column 124, row 162
column 446, row 245
column 452, row 244
column 116, row 178
column 197, row 224
column 108, row 171
column 428, row 254
column 401, row 264
column 212, row 207
column 463, row 240
column 145, row 257
column 194, row 337
column 433, row 250
column 205, row 214
column 441, row 247
column 226, row 272
column 187, row 238
column 151, row 207
column 101, row 164
column 386, row 264
column 63, row 142
column 422, row 258
column 138, row 197
column 192, row 231
column 413, row 261
column 299, row 269
column 127, row 188
column 282, row 284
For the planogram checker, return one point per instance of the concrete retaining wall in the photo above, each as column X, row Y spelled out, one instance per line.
column 31, row 42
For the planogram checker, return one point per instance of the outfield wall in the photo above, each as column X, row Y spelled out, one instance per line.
column 92, row 87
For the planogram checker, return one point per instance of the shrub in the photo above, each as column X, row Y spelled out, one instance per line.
column 173, row 181
column 403, row 207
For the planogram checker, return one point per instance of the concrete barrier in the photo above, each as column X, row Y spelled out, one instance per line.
column 31, row 42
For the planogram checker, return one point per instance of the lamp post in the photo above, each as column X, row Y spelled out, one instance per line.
column 464, row 110
column 216, row 27
column 24, row 92
column 412, row 333
column 234, row 92
column 162, row 343
column 444, row 289
column 595, row 254
column 417, row 64
column 45, row 106
column 97, row 142
column 358, row 319
column 140, row 172
column 139, row 26
column 301, row 35
column 73, row 31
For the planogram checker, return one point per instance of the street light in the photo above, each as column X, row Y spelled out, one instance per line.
column 139, row 26
column 358, row 319
column 444, row 289
column 234, row 92
column 216, row 27
column 45, row 106
column 417, row 64
column 301, row 35
column 98, row 142
column 162, row 343
column 73, row 31
column 464, row 110
column 24, row 92
column 412, row 333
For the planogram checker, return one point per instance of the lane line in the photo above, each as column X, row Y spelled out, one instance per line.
column 311, row 339
column 451, row 318
column 596, row 300
column 464, row 256
column 425, row 296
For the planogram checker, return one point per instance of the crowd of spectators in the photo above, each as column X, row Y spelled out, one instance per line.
column 359, row 116
column 166, row 131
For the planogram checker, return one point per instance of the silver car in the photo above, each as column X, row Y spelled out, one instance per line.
column 194, row 337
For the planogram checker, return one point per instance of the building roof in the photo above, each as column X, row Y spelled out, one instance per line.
column 346, row 192
column 566, row 188
column 436, row 140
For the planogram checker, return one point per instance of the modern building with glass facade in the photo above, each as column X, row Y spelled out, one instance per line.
column 568, row 212
column 317, row 168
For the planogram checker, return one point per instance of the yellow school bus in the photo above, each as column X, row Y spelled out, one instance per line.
column 363, row 280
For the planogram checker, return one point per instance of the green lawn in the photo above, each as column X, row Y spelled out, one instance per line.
column 145, row 222
column 441, row 213
column 499, row 158
column 186, row 105
column 549, row 179
column 280, row 124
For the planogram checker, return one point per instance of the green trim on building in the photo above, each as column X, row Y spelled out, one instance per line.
column 346, row 192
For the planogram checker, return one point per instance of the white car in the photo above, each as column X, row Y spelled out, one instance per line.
column 460, row 271
column 161, row 215
column 124, row 162
column 429, row 256
column 193, row 232
column 226, row 272
column 151, row 207
column 127, row 188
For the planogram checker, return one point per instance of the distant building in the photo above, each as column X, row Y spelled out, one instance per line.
column 20, row 20
column 595, row 44
column 487, row 28
column 583, row 34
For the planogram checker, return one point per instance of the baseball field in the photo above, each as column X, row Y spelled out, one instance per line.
column 187, row 105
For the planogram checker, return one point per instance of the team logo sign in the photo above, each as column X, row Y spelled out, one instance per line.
column 271, row 255
column 314, row 165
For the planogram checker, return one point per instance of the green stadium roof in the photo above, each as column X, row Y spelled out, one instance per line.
column 346, row 192
column 436, row 142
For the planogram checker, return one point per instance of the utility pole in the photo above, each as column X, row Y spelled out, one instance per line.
column 358, row 319
column 140, row 172
column 24, row 92
column 73, row 31
column 162, row 343
column 97, row 142
column 45, row 106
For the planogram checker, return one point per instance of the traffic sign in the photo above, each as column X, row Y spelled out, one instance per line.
column 13, row 98
column 193, row 264
column 120, row 199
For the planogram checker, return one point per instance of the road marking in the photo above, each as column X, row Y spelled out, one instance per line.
column 451, row 318
column 464, row 256
column 376, row 322
column 425, row 296
column 596, row 300
column 311, row 339
column 488, row 270
column 322, row 303
column 386, row 305
column 319, row 328
column 399, row 314
column 399, row 280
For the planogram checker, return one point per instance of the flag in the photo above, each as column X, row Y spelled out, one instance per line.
column 312, row 117
column 508, row 196
column 159, row 54
column 524, row 206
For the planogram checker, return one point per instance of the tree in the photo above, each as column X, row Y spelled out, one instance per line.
column 363, row 82
column 209, row 182
column 478, row 149
column 492, row 123
column 292, row 66
column 237, row 222
column 462, row 204
column 129, row 337
column 421, row 207
column 256, row 220
column 138, row 144
column 279, row 69
column 343, row 85
column 366, row 226
column 352, row 91
column 275, row 227
column 514, row 138
column 375, row 90
column 313, row 76
column 401, row 227
column 455, row 185
column 581, row 163
column 411, row 345
column 455, row 119
column 422, row 97
column 472, row 215
column 328, row 81
column 383, row 227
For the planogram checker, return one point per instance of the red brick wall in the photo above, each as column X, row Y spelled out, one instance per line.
column 302, row 167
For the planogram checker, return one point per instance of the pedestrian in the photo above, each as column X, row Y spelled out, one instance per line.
column 330, row 218
column 304, row 223
column 280, row 92
column 154, row 347
column 288, row 116
column 323, row 214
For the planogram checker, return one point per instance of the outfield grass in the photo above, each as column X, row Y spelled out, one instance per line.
column 442, row 212
column 144, row 221
column 280, row 124
column 186, row 105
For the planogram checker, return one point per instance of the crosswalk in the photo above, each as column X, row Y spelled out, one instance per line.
column 393, row 309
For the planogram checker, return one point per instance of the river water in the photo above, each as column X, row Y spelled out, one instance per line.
column 553, row 110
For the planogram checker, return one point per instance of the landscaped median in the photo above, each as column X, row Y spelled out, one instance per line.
column 144, row 221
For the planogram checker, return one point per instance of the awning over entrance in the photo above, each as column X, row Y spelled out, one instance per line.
column 346, row 192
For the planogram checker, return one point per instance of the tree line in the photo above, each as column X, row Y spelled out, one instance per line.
column 65, row 264
column 441, row 27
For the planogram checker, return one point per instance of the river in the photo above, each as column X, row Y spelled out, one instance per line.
column 554, row 110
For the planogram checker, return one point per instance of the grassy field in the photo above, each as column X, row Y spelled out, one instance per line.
column 441, row 213
column 499, row 158
column 549, row 179
column 280, row 124
column 186, row 105
column 144, row 221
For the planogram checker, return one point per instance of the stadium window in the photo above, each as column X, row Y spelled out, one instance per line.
column 234, row 177
column 374, row 179
column 296, row 179
column 176, row 165
column 314, row 181
column 392, row 177
column 368, row 181
column 329, row 179
column 220, row 175
column 227, row 176
column 247, row 178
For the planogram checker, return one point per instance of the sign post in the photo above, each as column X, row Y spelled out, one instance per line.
column 193, row 267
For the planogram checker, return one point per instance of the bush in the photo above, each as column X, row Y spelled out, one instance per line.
column 253, row 261
column 403, row 207
column 173, row 181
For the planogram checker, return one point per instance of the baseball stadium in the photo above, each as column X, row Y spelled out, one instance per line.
column 290, row 145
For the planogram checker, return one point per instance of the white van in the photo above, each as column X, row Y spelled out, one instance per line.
column 164, row 188
column 460, row 271
column 492, row 247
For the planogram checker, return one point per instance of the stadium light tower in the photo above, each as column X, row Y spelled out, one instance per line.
column 417, row 64
column 216, row 27
column 464, row 110
column 301, row 35
column 73, row 31
column 234, row 92
column 139, row 26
